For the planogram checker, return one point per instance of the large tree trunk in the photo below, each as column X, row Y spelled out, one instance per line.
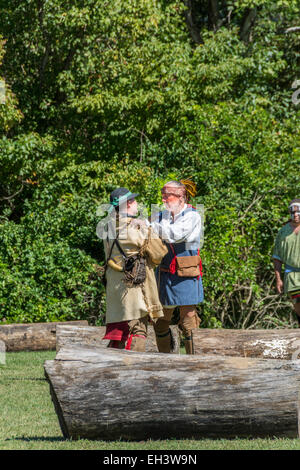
column 267, row 344
column 92, row 336
column 32, row 336
column 194, row 31
column 247, row 23
column 111, row 394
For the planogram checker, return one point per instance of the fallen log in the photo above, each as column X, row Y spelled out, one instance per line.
column 267, row 344
column 32, row 336
column 111, row 394
column 93, row 336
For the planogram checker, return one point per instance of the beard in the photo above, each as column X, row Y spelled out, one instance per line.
column 174, row 206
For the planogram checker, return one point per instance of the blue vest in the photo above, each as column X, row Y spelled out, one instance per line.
column 175, row 290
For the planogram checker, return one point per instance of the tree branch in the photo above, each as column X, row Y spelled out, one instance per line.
column 292, row 29
column 12, row 196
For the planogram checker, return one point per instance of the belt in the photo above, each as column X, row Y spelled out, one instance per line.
column 291, row 269
column 164, row 270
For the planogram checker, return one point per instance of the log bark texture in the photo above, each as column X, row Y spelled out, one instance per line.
column 92, row 336
column 111, row 394
column 32, row 336
column 266, row 344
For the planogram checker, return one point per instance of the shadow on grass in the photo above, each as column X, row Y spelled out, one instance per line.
column 39, row 439
column 33, row 379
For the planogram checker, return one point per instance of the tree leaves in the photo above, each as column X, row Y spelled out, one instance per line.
column 104, row 94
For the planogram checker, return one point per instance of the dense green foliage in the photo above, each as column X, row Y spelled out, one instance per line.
column 131, row 93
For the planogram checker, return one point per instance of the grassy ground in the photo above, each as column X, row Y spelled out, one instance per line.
column 28, row 420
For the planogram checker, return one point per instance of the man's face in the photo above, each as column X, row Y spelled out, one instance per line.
column 132, row 207
column 172, row 197
column 295, row 213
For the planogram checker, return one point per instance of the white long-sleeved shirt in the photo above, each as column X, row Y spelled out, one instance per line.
column 185, row 227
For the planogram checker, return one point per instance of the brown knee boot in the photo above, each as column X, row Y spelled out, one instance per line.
column 136, row 343
column 189, row 346
column 187, row 324
column 164, row 342
column 163, row 333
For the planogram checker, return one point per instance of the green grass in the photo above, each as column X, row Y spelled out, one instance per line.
column 28, row 420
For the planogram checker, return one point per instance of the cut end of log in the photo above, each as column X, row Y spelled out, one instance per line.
column 57, row 407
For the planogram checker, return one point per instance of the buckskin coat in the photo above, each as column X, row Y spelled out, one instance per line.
column 123, row 302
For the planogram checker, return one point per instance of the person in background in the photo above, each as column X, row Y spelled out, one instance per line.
column 179, row 277
column 131, row 291
column 287, row 252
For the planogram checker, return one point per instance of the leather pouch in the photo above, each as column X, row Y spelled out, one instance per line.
column 188, row 266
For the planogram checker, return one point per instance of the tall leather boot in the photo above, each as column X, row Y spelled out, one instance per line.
column 189, row 346
column 136, row 343
column 187, row 324
column 163, row 333
column 164, row 342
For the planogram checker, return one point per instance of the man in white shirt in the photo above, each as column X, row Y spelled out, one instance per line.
column 179, row 276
